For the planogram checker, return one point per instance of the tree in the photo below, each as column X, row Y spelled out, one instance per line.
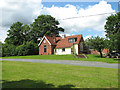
column 29, row 48
column 112, row 29
column 18, row 34
column 96, row 43
column 8, row 50
column 14, row 34
column 44, row 25
column 26, row 33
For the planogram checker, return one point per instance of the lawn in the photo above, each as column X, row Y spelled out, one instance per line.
column 91, row 57
column 41, row 75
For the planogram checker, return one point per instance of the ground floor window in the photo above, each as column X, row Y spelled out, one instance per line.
column 63, row 49
column 45, row 48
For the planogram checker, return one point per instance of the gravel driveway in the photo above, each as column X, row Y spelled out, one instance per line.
column 69, row 62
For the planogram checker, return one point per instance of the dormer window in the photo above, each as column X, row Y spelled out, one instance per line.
column 44, row 41
column 72, row 40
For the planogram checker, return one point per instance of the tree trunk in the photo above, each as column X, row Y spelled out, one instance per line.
column 101, row 54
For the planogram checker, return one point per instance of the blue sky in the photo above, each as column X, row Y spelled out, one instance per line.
column 86, row 31
column 81, row 4
column 26, row 11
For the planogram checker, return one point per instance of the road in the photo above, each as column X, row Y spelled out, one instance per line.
column 69, row 62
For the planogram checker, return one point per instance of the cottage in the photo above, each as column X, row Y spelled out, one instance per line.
column 61, row 45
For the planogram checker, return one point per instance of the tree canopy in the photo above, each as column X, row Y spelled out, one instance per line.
column 112, row 29
column 14, row 34
column 23, row 39
column 96, row 43
column 44, row 25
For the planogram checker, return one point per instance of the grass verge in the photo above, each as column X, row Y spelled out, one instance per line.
column 40, row 75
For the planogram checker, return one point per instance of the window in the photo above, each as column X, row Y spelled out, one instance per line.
column 44, row 41
column 72, row 40
column 63, row 49
column 45, row 48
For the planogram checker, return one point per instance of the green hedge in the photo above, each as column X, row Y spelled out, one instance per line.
column 29, row 48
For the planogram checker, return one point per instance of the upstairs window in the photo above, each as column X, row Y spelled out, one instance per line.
column 44, row 41
column 72, row 40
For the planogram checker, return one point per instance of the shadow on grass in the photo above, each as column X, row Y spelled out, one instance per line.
column 27, row 83
column 98, row 56
column 117, row 60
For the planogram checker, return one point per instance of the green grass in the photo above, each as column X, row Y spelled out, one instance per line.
column 41, row 75
column 91, row 57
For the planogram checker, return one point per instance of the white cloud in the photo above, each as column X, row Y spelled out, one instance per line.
column 26, row 11
column 61, row 34
column 3, row 33
column 89, row 36
column 22, row 10
column 17, row 10
column 78, row 24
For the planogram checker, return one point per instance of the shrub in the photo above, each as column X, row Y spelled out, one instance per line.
column 8, row 50
column 32, row 48
column 29, row 48
column 21, row 50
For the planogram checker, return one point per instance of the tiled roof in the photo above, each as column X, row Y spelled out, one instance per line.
column 58, row 38
column 65, row 43
column 51, row 40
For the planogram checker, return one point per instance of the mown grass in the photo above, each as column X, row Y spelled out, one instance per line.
column 41, row 75
column 91, row 57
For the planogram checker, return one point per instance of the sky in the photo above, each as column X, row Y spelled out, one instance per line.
column 26, row 11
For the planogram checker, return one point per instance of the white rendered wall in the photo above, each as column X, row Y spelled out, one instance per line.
column 76, row 48
column 60, row 52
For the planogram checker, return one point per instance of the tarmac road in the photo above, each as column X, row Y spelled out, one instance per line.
column 69, row 62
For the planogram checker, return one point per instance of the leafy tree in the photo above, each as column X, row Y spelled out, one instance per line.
column 26, row 33
column 44, row 25
column 112, row 28
column 96, row 43
column 21, row 50
column 29, row 48
column 8, row 50
column 14, row 34
column 18, row 34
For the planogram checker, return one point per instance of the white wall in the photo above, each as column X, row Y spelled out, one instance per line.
column 59, row 51
column 76, row 48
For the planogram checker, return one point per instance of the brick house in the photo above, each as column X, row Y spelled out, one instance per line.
column 61, row 45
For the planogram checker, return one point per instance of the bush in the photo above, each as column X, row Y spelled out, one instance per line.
column 21, row 50
column 8, row 50
column 29, row 48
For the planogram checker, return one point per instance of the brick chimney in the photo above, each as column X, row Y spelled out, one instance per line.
column 63, row 36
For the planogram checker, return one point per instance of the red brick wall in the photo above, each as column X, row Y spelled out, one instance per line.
column 104, row 51
column 48, row 50
column 94, row 52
